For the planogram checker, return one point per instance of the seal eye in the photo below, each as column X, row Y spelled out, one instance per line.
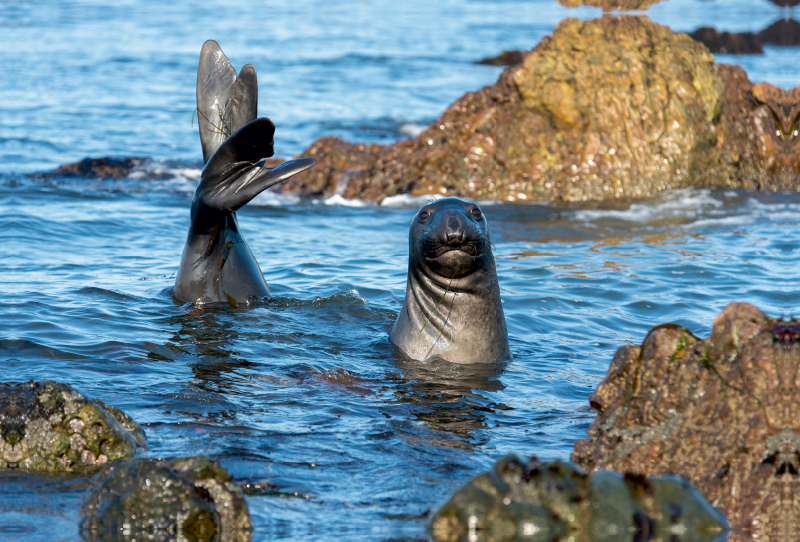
column 423, row 216
column 476, row 213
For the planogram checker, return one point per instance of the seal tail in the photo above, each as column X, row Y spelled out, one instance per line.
column 235, row 174
column 225, row 102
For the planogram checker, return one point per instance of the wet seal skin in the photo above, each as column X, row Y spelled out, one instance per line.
column 190, row 499
column 557, row 502
column 49, row 428
column 452, row 308
column 217, row 265
column 721, row 412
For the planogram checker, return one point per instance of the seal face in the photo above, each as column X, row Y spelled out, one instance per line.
column 217, row 265
column 452, row 308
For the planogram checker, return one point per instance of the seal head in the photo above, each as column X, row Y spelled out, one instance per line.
column 452, row 308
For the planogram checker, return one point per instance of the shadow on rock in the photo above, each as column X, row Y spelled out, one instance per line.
column 190, row 499
column 557, row 502
column 723, row 413
column 49, row 428
column 446, row 398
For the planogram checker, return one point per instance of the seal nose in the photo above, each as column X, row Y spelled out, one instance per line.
column 454, row 231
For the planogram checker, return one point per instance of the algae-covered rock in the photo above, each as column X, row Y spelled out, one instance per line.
column 613, row 107
column 557, row 502
column 723, row 413
column 189, row 500
column 49, row 428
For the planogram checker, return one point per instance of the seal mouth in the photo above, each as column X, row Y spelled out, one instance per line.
column 440, row 250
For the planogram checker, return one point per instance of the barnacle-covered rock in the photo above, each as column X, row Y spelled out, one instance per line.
column 557, row 502
column 191, row 499
column 723, row 413
column 49, row 428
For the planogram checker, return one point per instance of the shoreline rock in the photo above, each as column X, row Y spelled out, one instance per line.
column 720, row 412
column 616, row 107
column 49, row 428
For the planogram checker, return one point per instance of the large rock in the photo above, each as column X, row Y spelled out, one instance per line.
column 723, row 413
column 557, row 502
column 613, row 107
column 50, row 428
column 611, row 5
column 609, row 108
column 190, row 499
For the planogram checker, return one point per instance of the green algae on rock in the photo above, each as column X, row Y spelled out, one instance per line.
column 557, row 502
column 190, row 500
column 49, row 428
column 723, row 413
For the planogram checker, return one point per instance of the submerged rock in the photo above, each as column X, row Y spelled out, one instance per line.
column 191, row 499
column 615, row 107
column 557, row 502
column 50, row 428
column 723, row 413
column 100, row 168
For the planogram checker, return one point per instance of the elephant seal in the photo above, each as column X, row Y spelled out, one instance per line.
column 217, row 265
column 452, row 308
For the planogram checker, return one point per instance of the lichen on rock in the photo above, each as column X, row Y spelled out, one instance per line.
column 188, row 500
column 49, row 428
column 723, row 413
column 557, row 502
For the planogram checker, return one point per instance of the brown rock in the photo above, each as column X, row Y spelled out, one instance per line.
column 614, row 107
column 100, row 168
column 723, row 413
column 784, row 32
column 743, row 43
column 506, row 58
column 611, row 5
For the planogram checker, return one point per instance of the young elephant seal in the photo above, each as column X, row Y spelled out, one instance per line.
column 217, row 265
column 452, row 308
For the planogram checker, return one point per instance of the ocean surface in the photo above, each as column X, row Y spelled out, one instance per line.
column 305, row 394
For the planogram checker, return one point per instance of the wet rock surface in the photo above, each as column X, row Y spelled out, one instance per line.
column 538, row 501
column 191, row 499
column 100, row 168
column 723, row 413
column 609, row 108
column 49, row 428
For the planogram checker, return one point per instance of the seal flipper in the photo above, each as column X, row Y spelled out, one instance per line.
column 234, row 176
column 225, row 103
column 217, row 265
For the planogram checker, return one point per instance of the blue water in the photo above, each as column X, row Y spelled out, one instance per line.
column 305, row 393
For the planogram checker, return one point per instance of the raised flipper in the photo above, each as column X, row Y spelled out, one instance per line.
column 234, row 175
column 217, row 265
column 225, row 103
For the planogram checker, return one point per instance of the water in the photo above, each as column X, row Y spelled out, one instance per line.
column 305, row 392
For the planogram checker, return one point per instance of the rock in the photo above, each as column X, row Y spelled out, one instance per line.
column 506, row 58
column 608, row 108
column 744, row 43
column 546, row 502
column 723, row 413
column 784, row 32
column 191, row 499
column 611, row 5
column 100, row 168
column 49, row 428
